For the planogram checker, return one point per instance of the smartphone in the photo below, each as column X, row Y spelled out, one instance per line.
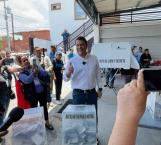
column 34, row 62
column 152, row 79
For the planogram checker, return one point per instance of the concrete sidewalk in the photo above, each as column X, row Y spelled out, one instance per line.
column 106, row 116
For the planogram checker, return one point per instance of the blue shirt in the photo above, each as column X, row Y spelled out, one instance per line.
column 65, row 36
column 138, row 56
column 52, row 56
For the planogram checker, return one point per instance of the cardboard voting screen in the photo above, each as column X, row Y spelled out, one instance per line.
column 113, row 55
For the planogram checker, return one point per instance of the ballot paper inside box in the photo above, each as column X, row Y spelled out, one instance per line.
column 30, row 130
column 79, row 125
column 154, row 105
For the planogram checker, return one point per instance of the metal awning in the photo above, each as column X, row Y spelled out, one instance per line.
column 106, row 7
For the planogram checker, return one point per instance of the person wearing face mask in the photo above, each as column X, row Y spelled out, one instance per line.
column 84, row 72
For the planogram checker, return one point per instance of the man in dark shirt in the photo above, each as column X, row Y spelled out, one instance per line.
column 58, row 68
column 65, row 36
column 145, row 59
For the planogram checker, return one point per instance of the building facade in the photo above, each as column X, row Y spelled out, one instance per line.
column 64, row 14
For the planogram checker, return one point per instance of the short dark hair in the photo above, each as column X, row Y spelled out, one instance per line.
column 53, row 46
column 81, row 38
column 146, row 49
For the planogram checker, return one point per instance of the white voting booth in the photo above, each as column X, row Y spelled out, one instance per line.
column 115, row 55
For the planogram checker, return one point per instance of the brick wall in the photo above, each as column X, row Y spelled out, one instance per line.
column 23, row 45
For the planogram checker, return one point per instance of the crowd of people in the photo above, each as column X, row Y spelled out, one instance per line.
column 34, row 77
column 34, row 83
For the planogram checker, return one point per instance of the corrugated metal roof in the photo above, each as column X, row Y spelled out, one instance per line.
column 107, row 6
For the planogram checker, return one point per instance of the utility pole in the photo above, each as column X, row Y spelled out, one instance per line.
column 9, row 11
column 7, row 29
column 13, row 33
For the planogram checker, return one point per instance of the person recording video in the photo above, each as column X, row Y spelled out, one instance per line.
column 44, row 61
column 126, row 123
column 33, row 79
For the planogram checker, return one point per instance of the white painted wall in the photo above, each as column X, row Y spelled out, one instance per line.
column 147, row 35
column 63, row 19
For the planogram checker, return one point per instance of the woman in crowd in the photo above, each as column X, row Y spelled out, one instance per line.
column 33, row 80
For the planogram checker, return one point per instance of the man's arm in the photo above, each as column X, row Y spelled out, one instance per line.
column 131, row 106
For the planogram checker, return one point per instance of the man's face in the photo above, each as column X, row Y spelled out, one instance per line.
column 81, row 47
column 58, row 57
column 53, row 49
column 38, row 53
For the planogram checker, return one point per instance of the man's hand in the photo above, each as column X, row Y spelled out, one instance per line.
column 132, row 100
column 70, row 71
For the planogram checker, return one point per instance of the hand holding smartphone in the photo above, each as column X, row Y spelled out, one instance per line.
column 152, row 79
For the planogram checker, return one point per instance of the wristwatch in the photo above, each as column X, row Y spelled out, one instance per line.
column 100, row 89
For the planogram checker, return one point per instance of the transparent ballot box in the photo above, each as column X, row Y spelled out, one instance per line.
column 79, row 125
column 30, row 130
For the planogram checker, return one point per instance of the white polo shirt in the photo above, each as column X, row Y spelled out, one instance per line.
column 86, row 75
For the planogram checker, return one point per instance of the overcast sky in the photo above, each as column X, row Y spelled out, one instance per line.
column 28, row 14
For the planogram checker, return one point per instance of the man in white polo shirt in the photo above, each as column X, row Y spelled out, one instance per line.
column 84, row 72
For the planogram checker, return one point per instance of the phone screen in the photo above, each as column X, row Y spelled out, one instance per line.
column 34, row 61
column 152, row 79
